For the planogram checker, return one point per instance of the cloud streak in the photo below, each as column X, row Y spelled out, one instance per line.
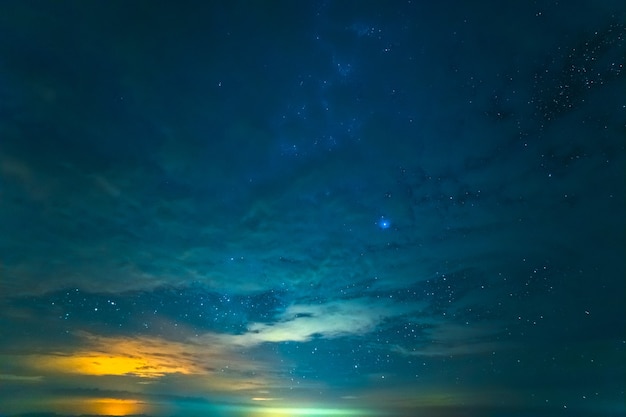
column 450, row 339
column 303, row 322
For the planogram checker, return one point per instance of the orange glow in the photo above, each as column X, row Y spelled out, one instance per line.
column 98, row 364
column 206, row 363
column 145, row 358
column 97, row 406
column 115, row 407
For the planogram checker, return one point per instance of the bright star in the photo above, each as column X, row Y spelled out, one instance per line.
column 384, row 223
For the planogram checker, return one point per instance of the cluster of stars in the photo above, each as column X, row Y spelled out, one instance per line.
column 596, row 61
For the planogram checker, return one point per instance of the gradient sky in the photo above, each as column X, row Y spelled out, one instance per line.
column 330, row 208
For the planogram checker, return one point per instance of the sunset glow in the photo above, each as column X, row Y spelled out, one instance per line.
column 115, row 407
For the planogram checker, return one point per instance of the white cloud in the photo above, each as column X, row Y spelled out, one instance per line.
column 302, row 322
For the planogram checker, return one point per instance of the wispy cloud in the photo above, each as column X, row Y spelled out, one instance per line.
column 205, row 366
column 20, row 378
column 143, row 357
column 303, row 322
column 451, row 339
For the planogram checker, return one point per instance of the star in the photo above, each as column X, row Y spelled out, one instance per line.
column 384, row 223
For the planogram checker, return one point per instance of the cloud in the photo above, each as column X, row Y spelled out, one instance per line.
column 143, row 357
column 303, row 322
column 195, row 365
column 20, row 378
column 449, row 339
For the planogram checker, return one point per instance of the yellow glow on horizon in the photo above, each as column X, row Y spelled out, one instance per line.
column 115, row 407
column 96, row 406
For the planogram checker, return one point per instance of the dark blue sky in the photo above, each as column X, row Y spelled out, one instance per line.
column 260, row 208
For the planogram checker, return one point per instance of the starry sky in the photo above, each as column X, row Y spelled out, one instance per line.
column 320, row 208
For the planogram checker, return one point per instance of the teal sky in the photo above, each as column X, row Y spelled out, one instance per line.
column 320, row 208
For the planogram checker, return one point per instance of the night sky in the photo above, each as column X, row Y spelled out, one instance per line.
column 320, row 208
